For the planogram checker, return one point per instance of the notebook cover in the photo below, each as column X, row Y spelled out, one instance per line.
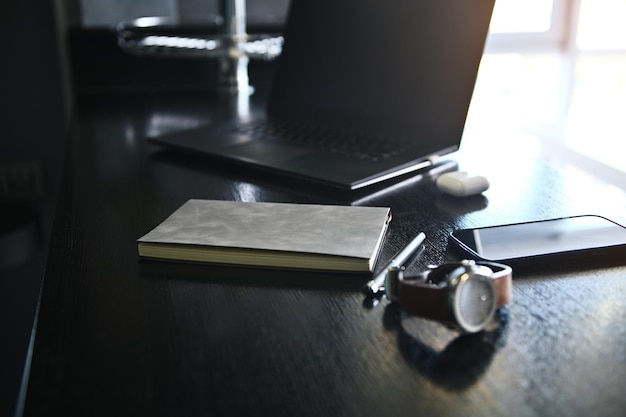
column 332, row 230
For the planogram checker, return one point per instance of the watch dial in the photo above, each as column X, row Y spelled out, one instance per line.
column 475, row 302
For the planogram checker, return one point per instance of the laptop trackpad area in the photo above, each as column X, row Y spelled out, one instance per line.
column 333, row 168
column 265, row 152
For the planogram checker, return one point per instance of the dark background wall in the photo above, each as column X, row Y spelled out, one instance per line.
column 32, row 123
column 44, row 43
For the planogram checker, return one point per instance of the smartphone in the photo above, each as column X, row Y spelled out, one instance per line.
column 571, row 242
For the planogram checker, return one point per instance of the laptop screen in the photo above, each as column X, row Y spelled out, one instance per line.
column 405, row 68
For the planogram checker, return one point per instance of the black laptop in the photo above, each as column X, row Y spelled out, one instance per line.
column 365, row 91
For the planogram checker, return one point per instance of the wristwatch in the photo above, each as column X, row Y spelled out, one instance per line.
column 463, row 295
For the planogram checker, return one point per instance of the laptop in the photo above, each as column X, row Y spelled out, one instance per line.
column 365, row 91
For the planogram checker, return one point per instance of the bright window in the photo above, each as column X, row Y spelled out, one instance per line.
column 602, row 25
column 555, row 70
column 515, row 16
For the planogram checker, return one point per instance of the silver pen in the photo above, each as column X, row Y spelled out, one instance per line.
column 376, row 285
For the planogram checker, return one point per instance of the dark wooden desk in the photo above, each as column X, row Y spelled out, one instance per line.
column 117, row 336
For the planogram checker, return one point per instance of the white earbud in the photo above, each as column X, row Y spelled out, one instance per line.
column 461, row 184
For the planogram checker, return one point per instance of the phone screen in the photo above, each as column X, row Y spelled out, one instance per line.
column 541, row 237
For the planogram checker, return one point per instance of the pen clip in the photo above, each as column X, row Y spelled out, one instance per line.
column 375, row 287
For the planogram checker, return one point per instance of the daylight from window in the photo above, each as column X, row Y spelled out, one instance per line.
column 558, row 75
column 515, row 16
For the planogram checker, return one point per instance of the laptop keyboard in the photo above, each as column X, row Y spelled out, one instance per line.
column 364, row 146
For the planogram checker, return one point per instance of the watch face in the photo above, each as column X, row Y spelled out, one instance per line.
column 474, row 303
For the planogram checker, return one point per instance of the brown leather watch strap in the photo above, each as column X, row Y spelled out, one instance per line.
column 503, row 279
column 423, row 296
column 423, row 299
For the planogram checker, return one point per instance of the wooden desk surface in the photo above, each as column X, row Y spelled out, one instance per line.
column 117, row 336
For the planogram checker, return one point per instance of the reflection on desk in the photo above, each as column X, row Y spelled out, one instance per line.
column 463, row 360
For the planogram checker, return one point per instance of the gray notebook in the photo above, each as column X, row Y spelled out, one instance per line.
column 306, row 236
